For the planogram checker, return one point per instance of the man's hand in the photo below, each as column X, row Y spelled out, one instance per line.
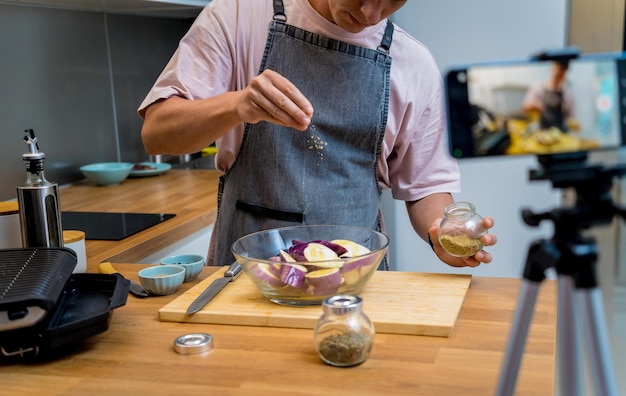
column 271, row 97
column 472, row 261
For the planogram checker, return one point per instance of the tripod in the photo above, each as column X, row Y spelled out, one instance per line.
column 580, row 309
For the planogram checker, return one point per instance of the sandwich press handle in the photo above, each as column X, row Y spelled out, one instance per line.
column 122, row 286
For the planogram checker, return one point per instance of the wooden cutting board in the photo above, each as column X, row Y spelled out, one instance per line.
column 396, row 302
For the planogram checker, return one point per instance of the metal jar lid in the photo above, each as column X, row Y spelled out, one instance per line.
column 193, row 343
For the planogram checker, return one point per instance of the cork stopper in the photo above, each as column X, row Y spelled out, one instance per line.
column 70, row 236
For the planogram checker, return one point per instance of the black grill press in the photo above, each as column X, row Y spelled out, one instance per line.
column 44, row 306
column 32, row 277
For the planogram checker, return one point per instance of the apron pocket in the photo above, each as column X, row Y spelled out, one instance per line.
column 276, row 214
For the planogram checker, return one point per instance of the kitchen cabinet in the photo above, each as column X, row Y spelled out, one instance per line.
column 597, row 26
column 196, row 243
column 162, row 8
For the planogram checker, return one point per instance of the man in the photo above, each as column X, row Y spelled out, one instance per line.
column 553, row 100
column 310, row 117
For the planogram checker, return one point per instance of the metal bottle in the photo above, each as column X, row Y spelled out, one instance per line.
column 40, row 213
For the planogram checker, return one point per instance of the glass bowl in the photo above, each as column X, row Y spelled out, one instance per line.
column 309, row 282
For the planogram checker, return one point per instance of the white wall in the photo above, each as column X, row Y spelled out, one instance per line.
column 459, row 32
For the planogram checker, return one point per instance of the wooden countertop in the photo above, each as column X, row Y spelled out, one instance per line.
column 190, row 194
column 135, row 355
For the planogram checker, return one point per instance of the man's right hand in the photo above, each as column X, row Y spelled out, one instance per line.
column 271, row 97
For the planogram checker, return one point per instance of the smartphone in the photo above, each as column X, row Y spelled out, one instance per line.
column 537, row 107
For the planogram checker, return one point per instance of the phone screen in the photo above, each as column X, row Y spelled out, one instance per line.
column 537, row 107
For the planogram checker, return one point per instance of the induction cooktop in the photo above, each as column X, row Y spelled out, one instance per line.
column 111, row 226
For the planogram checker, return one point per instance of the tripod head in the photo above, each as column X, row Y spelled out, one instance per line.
column 592, row 184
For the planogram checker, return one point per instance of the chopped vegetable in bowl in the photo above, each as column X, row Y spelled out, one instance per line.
column 302, row 265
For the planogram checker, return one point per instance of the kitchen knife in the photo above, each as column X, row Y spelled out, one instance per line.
column 215, row 287
column 135, row 288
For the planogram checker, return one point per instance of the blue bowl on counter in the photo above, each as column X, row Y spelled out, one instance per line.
column 161, row 280
column 107, row 173
column 193, row 264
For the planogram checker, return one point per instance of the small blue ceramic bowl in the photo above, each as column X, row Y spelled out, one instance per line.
column 193, row 264
column 107, row 173
column 162, row 280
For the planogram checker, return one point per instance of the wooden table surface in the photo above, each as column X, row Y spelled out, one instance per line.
column 136, row 356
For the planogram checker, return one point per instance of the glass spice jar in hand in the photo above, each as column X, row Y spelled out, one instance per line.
column 461, row 230
column 343, row 335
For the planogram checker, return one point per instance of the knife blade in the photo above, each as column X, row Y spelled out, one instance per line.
column 135, row 288
column 232, row 273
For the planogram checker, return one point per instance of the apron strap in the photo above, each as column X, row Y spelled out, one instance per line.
column 279, row 11
column 385, row 43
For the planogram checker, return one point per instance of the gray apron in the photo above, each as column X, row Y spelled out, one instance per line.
column 326, row 174
column 552, row 115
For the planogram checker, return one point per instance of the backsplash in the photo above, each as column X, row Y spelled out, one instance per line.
column 76, row 78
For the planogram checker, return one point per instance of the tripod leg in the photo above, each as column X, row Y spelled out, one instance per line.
column 593, row 323
column 569, row 376
column 517, row 339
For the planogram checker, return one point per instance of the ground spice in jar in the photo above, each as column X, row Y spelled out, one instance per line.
column 460, row 245
column 346, row 348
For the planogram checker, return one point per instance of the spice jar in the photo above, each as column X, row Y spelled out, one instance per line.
column 344, row 335
column 461, row 230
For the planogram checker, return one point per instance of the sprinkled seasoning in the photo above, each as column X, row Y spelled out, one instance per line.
column 316, row 143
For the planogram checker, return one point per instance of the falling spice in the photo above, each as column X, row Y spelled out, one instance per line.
column 460, row 245
column 345, row 349
column 316, row 143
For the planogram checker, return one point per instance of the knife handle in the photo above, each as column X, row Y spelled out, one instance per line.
column 135, row 288
column 107, row 268
column 233, row 271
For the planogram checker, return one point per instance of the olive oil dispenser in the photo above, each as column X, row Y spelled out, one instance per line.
column 40, row 213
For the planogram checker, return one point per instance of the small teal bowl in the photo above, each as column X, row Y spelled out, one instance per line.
column 162, row 280
column 193, row 264
column 107, row 173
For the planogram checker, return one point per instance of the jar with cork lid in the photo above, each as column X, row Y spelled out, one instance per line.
column 75, row 240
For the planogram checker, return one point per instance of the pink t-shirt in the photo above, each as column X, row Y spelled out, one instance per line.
column 222, row 52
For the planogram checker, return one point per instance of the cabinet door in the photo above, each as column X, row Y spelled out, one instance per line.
column 596, row 25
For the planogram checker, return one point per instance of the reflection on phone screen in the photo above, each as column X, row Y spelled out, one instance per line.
column 535, row 107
